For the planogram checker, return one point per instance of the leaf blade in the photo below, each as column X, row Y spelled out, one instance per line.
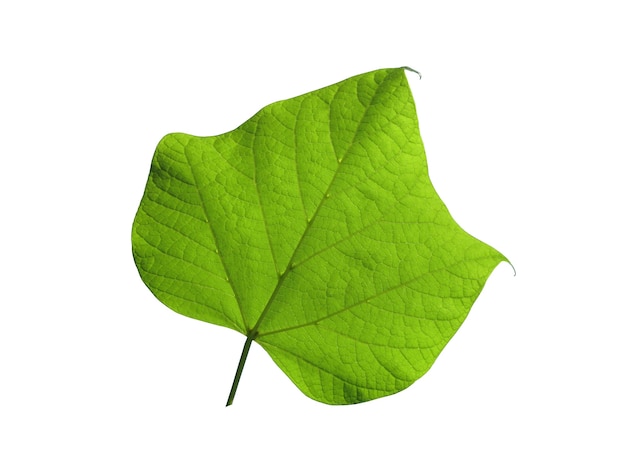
column 322, row 236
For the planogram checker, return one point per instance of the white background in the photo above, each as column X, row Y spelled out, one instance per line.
column 522, row 111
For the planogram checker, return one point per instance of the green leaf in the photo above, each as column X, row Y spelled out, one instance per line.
column 314, row 230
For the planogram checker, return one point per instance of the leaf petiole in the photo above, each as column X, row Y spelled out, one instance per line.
column 242, row 362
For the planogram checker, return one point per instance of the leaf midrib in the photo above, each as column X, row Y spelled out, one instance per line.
column 253, row 333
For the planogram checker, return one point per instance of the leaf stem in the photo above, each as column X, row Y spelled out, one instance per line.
column 242, row 362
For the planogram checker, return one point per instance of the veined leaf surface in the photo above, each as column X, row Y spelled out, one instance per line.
column 314, row 230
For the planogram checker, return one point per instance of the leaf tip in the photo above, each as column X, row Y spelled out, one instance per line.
column 512, row 267
column 412, row 70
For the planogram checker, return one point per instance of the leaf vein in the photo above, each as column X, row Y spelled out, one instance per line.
column 165, row 253
column 225, row 318
column 296, row 161
column 219, row 252
column 322, row 369
column 367, row 299
column 258, row 194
